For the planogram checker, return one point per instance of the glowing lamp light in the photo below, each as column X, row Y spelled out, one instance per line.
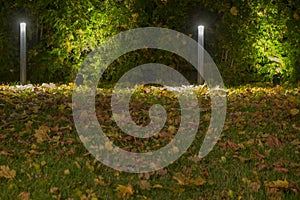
column 23, row 27
column 200, row 79
column 23, row 53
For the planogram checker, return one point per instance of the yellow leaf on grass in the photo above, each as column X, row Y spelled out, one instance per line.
column 223, row 159
column 37, row 168
column 294, row 111
column 100, row 181
column 230, row 193
column 41, row 134
column 179, row 178
column 197, row 181
column 28, row 125
column 124, row 191
column 277, row 184
column 206, row 117
column 177, row 190
column 43, row 163
column 157, row 186
column 183, row 180
column 67, row 172
column 254, row 186
column 6, row 172
column 135, row 16
column 246, row 181
column 89, row 166
column 53, row 190
column 172, row 129
column 35, row 109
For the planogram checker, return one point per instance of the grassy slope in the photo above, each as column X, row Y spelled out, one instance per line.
column 257, row 157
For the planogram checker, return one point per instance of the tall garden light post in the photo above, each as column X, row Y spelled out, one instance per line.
column 23, row 53
column 200, row 79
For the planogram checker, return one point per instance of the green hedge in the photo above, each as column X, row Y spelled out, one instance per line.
column 249, row 40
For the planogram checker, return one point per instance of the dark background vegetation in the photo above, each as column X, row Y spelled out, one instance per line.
column 250, row 41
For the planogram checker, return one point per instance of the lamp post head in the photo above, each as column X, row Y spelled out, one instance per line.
column 23, row 26
column 200, row 29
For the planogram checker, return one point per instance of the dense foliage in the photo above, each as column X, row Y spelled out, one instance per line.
column 249, row 40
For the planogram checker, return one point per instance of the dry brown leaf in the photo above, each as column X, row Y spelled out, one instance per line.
column 295, row 165
column 235, row 146
column 183, row 180
column 24, row 196
column 100, row 181
column 28, row 126
column 255, row 186
column 53, row 190
column 55, row 128
column 273, row 141
column 262, row 166
column 6, row 172
column 294, row 187
column 231, row 145
column 162, row 172
column 273, row 192
column 295, row 142
column 296, row 16
column 242, row 159
column 281, row 169
column 260, row 156
column 145, row 185
column 279, row 163
column 197, row 181
column 41, row 134
column 145, row 176
column 194, row 159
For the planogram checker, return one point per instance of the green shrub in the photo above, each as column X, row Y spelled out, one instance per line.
column 250, row 41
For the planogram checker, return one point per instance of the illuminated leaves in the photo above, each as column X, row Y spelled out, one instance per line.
column 234, row 11
column 296, row 16
column 135, row 16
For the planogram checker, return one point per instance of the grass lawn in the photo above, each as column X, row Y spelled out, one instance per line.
column 256, row 157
